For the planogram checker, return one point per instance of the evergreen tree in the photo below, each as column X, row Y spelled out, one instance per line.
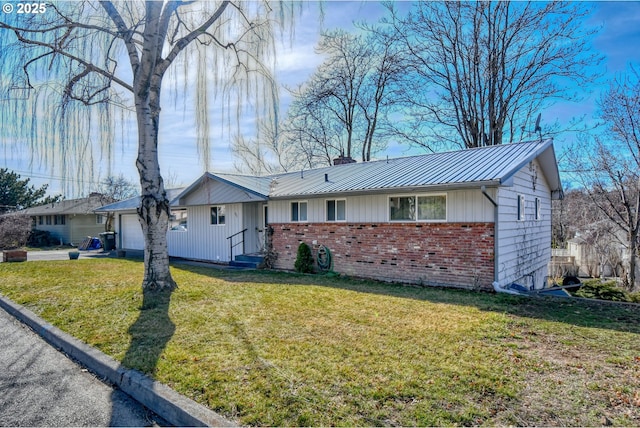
column 17, row 194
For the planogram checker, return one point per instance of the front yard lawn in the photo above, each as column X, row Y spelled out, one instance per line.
column 268, row 348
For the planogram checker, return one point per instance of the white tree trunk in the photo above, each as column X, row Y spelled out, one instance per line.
column 153, row 211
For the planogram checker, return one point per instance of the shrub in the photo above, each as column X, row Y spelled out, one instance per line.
column 602, row 290
column 14, row 230
column 42, row 238
column 304, row 259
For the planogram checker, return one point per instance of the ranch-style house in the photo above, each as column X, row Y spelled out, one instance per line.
column 475, row 218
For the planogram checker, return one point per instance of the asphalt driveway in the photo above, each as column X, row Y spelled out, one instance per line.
column 40, row 386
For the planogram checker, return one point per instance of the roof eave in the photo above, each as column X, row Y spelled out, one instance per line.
column 440, row 187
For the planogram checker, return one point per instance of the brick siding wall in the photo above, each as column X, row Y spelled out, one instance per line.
column 449, row 254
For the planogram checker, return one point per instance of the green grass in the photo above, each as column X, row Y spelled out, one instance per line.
column 268, row 348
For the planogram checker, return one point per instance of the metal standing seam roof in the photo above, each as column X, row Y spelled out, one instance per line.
column 134, row 203
column 486, row 165
column 492, row 165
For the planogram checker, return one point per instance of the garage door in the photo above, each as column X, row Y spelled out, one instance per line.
column 131, row 232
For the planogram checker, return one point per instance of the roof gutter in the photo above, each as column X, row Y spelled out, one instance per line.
column 392, row 190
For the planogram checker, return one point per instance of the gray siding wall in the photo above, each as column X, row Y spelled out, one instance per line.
column 468, row 205
column 76, row 228
column 81, row 226
column 524, row 246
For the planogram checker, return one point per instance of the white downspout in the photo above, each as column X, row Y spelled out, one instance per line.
column 499, row 289
column 496, row 284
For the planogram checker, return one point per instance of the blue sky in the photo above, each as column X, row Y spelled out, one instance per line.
column 618, row 41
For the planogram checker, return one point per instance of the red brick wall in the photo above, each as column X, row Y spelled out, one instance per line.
column 453, row 254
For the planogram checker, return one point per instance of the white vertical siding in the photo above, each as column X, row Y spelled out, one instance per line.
column 524, row 247
column 202, row 240
column 468, row 205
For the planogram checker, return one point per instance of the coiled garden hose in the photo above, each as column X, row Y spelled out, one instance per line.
column 324, row 258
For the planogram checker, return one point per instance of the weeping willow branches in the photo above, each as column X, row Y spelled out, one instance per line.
column 67, row 75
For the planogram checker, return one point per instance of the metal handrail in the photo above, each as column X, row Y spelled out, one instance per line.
column 231, row 244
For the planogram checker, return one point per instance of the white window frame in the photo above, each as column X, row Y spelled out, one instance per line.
column 416, row 212
column 218, row 207
column 538, row 209
column 335, row 210
column 435, row 220
column 521, row 204
column 172, row 218
column 299, row 220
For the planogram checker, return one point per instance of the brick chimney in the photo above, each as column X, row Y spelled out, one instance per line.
column 343, row 160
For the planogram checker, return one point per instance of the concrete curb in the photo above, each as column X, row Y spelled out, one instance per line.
column 175, row 408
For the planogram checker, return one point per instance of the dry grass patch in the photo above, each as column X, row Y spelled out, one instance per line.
column 280, row 349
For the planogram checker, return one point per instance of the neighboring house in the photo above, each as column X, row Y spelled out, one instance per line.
column 598, row 252
column 70, row 220
column 465, row 218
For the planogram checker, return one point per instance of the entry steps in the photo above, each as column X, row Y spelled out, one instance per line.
column 251, row 261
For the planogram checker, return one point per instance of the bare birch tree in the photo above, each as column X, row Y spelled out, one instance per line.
column 612, row 168
column 70, row 55
column 482, row 71
column 342, row 109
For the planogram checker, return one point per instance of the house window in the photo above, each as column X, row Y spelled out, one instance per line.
column 402, row 208
column 48, row 220
column 59, row 220
column 40, row 220
column 432, row 208
column 218, row 215
column 420, row 208
column 178, row 220
column 520, row 207
column 298, row 211
column 538, row 209
column 101, row 219
column 336, row 210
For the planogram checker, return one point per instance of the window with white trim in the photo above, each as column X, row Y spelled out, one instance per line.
column 432, row 208
column 59, row 220
column 521, row 203
column 101, row 219
column 418, row 208
column 538, row 209
column 178, row 220
column 218, row 216
column 299, row 211
column 402, row 208
column 336, row 209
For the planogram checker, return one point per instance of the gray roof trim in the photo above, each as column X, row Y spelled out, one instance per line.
column 133, row 203
column 549, row 165
column 407, row 189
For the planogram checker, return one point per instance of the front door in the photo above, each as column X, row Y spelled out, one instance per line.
column 262, row 228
